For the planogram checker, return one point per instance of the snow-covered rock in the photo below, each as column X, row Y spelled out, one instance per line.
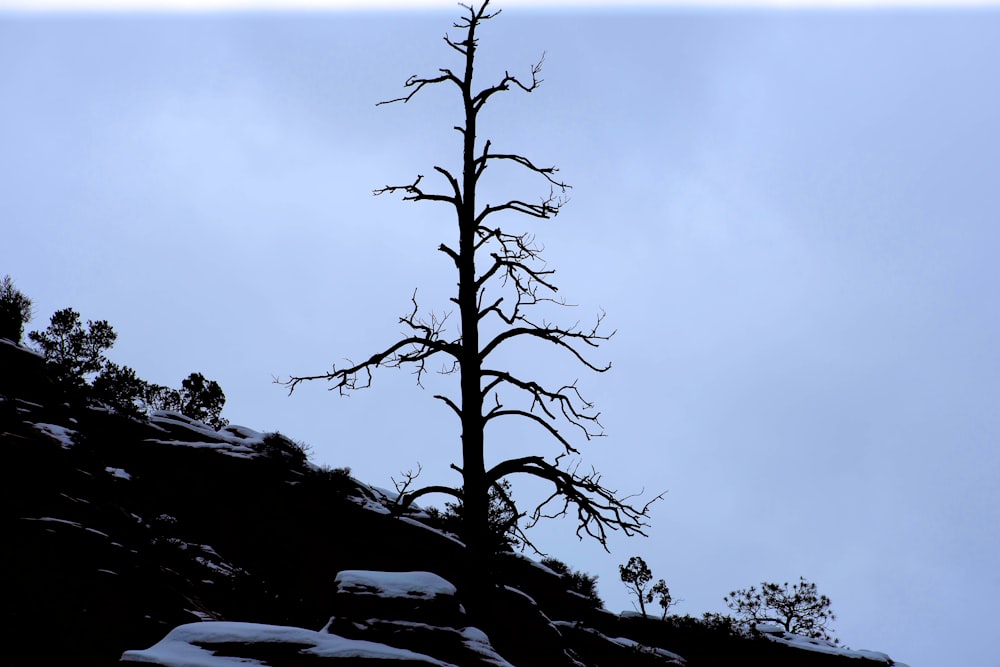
column 776, row 633
column 413, row 596
column 228, row 644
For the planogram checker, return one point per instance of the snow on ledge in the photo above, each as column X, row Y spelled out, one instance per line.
column 776, row 633
column 231, row 434
column 61, row 434
column 413, row 585
column 191, row 645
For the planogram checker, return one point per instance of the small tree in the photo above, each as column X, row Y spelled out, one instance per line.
column 505, row 534
column 799, row 610
column 159, row 397
column 15, row 311
column 501, row 279
column 198, row 398
column 119, row 387
column 72, row 351
column 636, row 575
column 661, row 594
column 203, row 400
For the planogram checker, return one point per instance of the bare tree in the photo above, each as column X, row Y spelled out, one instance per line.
column 502, row 281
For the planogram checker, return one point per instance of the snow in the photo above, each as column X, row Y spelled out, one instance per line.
column 221, row 447
column 626, row 642
column 182, row 647
column 776, row 633
column 22, row 348
column 60, row 434
column 118, row 473
column 524, row 595
column 232, row 434
column 662, row 652
column 447, row 536
column 236, row 441
column 394, row 584
column 477, row 641
column 66, row 522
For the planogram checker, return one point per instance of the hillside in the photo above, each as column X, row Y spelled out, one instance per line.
column 179, row 545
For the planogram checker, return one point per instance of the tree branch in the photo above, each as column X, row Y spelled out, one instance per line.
column 417, row 83
column 598, row 508
column 556, row 336
column 480, row 99
column 565, row 397
column 415, row 193
column 420, row 347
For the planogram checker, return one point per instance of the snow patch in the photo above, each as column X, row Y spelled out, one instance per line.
column 238, row 436
column 237, row 451
column 183, row 646
column 60, row 434
column 117, row 473
column 477, row 642
column 414, row 585
column 447, row 536
column 776, row 633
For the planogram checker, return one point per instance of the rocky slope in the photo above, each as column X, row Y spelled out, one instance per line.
column 162, row 541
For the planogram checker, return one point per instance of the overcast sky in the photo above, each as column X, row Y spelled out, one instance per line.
column 791, row 219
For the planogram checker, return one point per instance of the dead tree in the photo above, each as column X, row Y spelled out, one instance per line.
column 501, row 281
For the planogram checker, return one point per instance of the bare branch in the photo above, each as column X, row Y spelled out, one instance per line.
column 571, row 405
column 537, row 419
column 450, row 403
column 548, row 172
column 547, row 208
column 505, row 83
column 448, row 251
column 415, row 193
column 408, row 478
column 417, row 83
column 409, row 350
column 599, row 509
column 556, row 336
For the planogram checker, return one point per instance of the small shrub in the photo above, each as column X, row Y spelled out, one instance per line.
column 158, row 397
column 280, row 448
column 203, row 400
column 503, row 517
column 578, row 582
column 120, row 388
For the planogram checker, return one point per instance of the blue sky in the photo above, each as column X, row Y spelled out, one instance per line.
column 789, row 217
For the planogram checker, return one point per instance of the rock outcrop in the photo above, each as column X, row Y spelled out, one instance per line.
column 215, row 548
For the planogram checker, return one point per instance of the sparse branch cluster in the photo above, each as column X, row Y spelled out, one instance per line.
column 423, row 343
column 598, row 508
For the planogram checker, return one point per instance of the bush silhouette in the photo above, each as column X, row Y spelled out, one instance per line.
column 71, row 351
column 15, row 310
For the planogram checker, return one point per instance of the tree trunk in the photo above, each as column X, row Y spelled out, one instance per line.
column 478, row 563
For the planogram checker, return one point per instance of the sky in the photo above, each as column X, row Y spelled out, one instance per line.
column 789, row 217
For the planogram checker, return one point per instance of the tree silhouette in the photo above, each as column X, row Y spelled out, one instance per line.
column 636, row 575
column 15, row 310
column 72, row 352
column 799, row 609
column 502, row 282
